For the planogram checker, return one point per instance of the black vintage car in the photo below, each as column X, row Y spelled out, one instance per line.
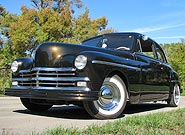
column 102, row 74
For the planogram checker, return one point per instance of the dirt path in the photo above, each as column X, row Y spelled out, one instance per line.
column 14, row 118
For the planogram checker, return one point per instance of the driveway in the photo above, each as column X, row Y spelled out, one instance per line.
column 15, row 119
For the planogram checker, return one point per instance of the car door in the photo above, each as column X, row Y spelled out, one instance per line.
column 164, row 69
column 151, row 87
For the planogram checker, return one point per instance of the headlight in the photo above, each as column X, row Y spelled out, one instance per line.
column 14, row 66
column 80, row 62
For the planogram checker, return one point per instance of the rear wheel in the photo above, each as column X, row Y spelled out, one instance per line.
column 112, row 99
column 33, row 106
column 175, row 97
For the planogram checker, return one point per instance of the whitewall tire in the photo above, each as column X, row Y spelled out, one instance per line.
column 175, row 96
column 112, row 99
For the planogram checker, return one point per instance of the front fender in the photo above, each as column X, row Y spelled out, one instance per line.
column 100, row 65
column 24, row 64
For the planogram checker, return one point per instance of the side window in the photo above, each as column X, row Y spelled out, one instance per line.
column 148, row 48
column 160, row 55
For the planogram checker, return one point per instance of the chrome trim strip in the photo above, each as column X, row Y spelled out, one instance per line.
column 25, row 71
column 115, row 64
column 47, row 69
column 52, row 79
column 64, row 84
column 21, row 79
column 52, row 69
column 54, row 88
column 58, row 74
column 49, row 74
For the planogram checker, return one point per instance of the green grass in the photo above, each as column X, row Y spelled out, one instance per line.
column 168, row 123
column 183, row 91
column 183, row 94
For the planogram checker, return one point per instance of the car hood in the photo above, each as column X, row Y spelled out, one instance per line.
column 56, row 54
column 63, row 54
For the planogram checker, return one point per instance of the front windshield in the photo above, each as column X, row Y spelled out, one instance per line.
column 112, row 41
column 119, row 42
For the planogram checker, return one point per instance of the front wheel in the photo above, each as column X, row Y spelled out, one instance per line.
column 174, row 97
column 33, row 106
column 112, row 99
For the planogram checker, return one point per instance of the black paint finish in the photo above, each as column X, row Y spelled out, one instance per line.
column 147, row 78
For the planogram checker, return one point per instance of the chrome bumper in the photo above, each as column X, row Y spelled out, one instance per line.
column 79, row 94
column 51, row 83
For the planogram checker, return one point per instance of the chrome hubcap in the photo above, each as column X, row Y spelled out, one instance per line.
column 109, row 97
column 106, row 95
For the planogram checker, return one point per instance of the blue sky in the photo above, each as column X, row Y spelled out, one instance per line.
column 162, row 20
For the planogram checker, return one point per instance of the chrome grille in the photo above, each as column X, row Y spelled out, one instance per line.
column 48, row 77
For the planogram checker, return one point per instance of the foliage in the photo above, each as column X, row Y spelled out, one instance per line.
column 49, row 24
column 176, row 58
column 158, row 124
column 6, row 52
column 5, row 75
column 85, row 27
column 56, row 5
column 5, row 20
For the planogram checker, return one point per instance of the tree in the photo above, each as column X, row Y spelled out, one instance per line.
column 51, row 20
column 108, row 30
column 52, row 26
column 176, row 58
column 5, row 21
column 85, row 27
column 182, row 40
column 56, row 5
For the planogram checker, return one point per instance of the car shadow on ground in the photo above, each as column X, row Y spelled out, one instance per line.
column 143, row 107
column 68, row 112
column 75, row 112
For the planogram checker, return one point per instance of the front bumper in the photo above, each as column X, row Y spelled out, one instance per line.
column 51, row 84
column 67, row 94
